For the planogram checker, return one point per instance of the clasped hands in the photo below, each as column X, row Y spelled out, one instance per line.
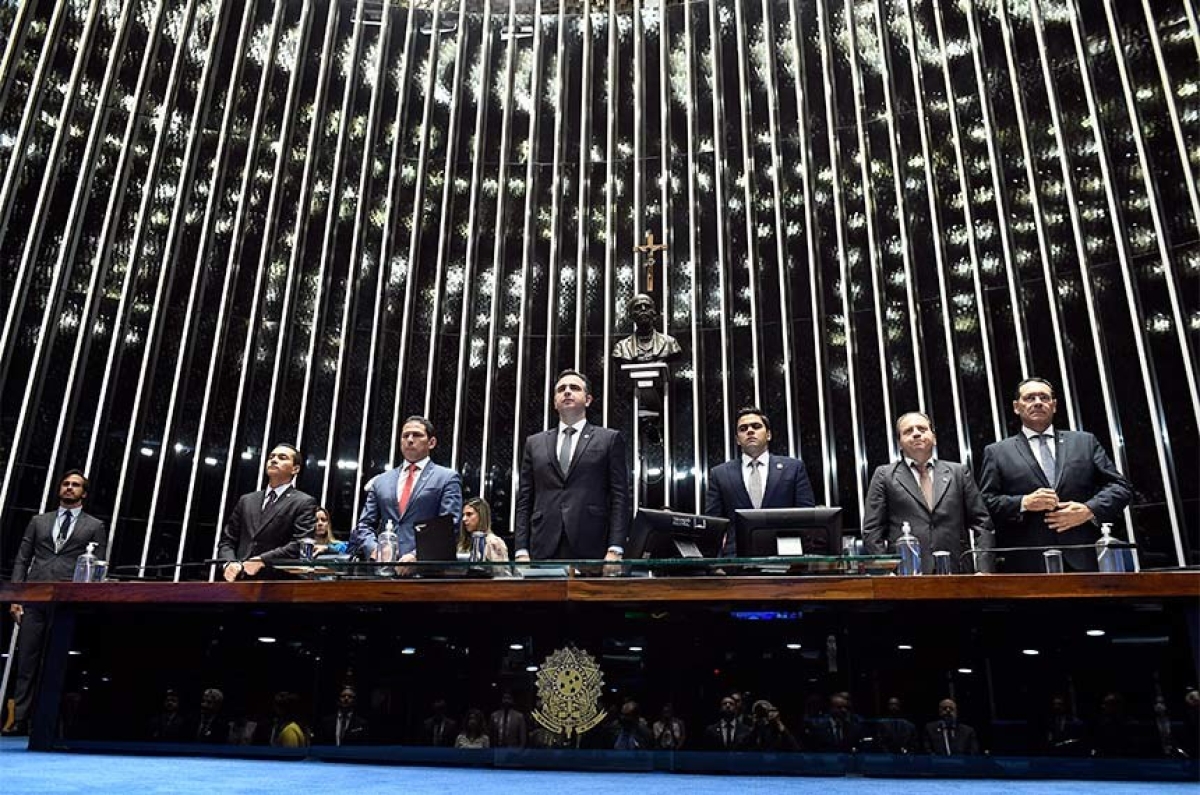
column 235, row 567
column 1060, row 516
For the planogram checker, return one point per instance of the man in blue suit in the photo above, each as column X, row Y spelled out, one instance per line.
column 415, row 492
column 1047, row 487
column 755, row 479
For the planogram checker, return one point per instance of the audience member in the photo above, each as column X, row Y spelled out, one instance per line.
column 1063, row 733
column 473, row 734
column 439, row 729
column 508, row 727
column 669, row 731
column 729, row 732
column 769, row 732
column 894, row 732
column 838, row 730
column 632, row 733
column 211, row 725
column 1112, row 734
column 168, row 725
column 346, row 726
column 1190, row 737
column 946, row 736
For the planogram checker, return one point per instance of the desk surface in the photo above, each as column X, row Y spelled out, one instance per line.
column 1159, row 585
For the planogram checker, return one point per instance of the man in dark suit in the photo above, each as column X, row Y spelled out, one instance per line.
column 729, row 733
column 838, row 731
column 415, row 492
column 346, row 726
column 269, row 524
column 946, row 736
column 573, row 498
column 938, row 499
column 53, row 541
column 756, row 479
column 1048, row 487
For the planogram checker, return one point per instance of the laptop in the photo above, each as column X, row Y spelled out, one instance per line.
column 436, row 540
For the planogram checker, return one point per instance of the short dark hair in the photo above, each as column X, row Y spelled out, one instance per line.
column 587, row 385
column 78, row 472
column 744, row 410
column 1033, row 379
column 425, row 423
column 297, row 456
column 926, row 417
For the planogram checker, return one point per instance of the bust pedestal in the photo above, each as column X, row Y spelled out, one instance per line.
column 651, row 393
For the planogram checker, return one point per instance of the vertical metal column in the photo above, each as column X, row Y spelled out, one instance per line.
column 1048, row 274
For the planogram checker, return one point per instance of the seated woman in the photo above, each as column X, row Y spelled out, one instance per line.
column 477, row 518
column 327, row 542
column 473, row 734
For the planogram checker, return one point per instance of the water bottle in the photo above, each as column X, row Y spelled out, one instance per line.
column 910, row 552
column 478, row 547
column 389, row 544
column 1110, row 559
column 85, row 565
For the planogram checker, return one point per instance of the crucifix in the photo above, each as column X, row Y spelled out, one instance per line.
column 649, row 248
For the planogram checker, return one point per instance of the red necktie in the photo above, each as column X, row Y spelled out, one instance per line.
column 406, row 492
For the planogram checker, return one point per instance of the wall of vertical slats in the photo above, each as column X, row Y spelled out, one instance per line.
column 226, row 224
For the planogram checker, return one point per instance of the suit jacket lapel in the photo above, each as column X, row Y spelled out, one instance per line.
column 1026, row 452
column 905, row 477
column 585, row 438
column 255, row 514
column 774, row 475
column 551, row 442
column 738, row 485
column 941, row 482
column 1062, row 443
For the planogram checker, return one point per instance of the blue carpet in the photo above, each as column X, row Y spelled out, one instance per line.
column 25, row 772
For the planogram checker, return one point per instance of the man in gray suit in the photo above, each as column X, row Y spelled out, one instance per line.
column 52, row 543
column 573, row 497
column 938, row 499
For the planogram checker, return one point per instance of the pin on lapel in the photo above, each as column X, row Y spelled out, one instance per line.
column 778, row 465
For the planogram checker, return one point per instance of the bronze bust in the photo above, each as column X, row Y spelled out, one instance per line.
column 645, row 344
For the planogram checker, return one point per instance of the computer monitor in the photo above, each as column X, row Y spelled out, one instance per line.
column 666, row 534
column 768, row 532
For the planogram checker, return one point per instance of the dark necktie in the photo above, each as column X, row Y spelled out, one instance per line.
column 564, row 451
column 64, row 530
column 1046, row 458
column 728, row 735
column 272, row 496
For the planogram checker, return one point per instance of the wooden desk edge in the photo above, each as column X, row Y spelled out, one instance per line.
column 1182, row 584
